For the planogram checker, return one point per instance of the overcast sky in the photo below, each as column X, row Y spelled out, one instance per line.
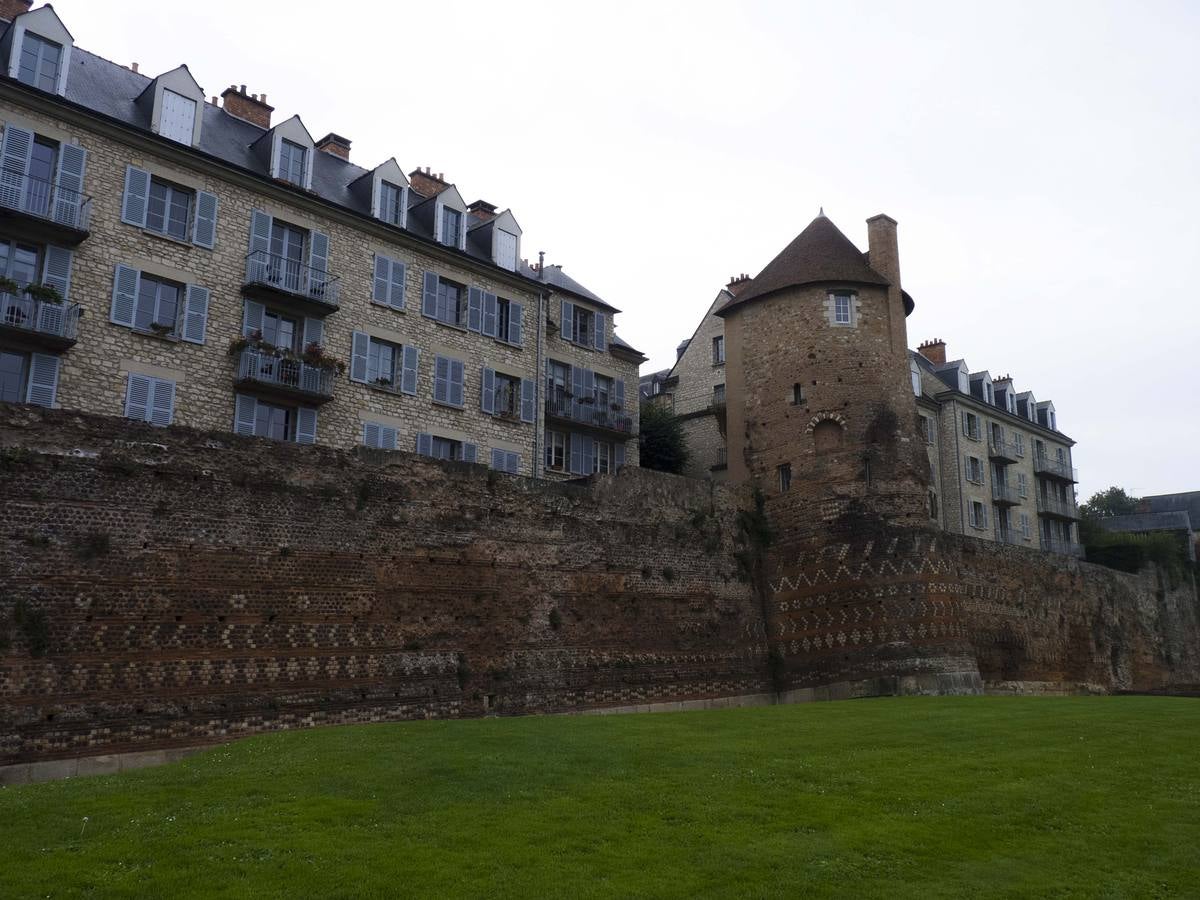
column 1043, row 160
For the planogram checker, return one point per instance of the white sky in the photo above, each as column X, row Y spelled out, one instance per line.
column 1041, row 158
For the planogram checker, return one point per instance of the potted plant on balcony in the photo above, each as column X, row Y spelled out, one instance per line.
column 8, row 286
column 314, row 355
column 44, row 293
column 161, row 328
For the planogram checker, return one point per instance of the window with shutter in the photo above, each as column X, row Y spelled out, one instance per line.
column 411, row 364
column 43, row 379
column 195, row 320
column 429, row 295
column 457, row 379
column 441, row 379
column 137, row 196
column 204, row 228
column 515, row 325
column 14, row 165
column 68, row 197
column 490, row 314
column 475, row 309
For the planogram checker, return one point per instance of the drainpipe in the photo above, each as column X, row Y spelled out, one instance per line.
column 538, row 376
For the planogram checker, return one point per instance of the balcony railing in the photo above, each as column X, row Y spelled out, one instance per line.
column 1002, row 450
column 1010, row 536
column 1054, row 467
column 278, row 273
column 1052, row 506
column 1064, row 547
column 58, row 322
column 45, row 200
column 287, row 375
column 585, row 411
column 1005, row 495
column 722, row 459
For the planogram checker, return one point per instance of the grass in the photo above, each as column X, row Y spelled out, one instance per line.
column 922, row 797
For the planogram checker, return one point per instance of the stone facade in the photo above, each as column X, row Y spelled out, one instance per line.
column 93, row 375
column 696, row 387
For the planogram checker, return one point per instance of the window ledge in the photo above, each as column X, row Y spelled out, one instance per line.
column 388, row 306
column 178, row 242
column 718, row 365
column 448, row 405
column 169, row 338
column 462, row 328
column 384, row 389
column 511, row 420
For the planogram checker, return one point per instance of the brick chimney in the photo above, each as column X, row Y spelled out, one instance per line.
column 249, row 107
column 482, row 210
column 336, row 145
column 10, row 9
column 934, row 351
column 737, row 284
column 427, row 183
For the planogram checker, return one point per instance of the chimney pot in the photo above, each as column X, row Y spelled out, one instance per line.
column 252, row 109
column 134, row 67
column 934, row 351
column 243, row 90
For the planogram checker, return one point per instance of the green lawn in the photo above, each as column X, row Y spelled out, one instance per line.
column 922, row 797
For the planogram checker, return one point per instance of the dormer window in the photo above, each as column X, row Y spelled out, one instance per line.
column 178, row 117
column 916, row 378
column 391, row 203
column 451, row 234
column 41, row 62
column 506, row 250
column 291, row 162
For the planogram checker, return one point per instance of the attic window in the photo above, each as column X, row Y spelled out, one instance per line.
column 506, row 250
column 391, row 203
column 41, row 62
column 291, row 161
column 451, row 227
column 178, row 118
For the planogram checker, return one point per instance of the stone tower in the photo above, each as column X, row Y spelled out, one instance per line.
column 821, row 414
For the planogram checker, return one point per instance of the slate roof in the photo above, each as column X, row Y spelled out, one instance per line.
column 1187, row 502
column 820, row 253
column 1152, row 521
column 104, row 87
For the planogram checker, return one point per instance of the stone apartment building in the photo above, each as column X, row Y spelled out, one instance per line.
column 814, row 351
column 178, row 260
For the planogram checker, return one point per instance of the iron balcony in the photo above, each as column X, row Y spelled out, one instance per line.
column 1065, row 548
column 1054, row 508
column 290, row 379
column 1002, row 450
column 275, row 278
column 587, row 411
column 1010, row 536
column 44, row 211
column 1004, row 495
column 1052, row 467
column 38, row 322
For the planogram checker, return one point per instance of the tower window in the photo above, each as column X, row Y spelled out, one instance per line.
column 785, row 477
column 797, row 394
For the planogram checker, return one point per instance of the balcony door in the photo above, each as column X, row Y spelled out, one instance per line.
column 12, row 376
column 287, row 256
column 41, row 177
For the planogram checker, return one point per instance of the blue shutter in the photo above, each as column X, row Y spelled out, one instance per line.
column 360, row 348
column 68, row 193
column 576, row 390
column 469, row 452
column 576, row 464
column 383, row 278
column 600, row 342
column 528, row 400
column 396, row 285
column 441, row 379
column 14, row 165
column 124, row 300
column 474, row 309
column 137, row 196
column 314, row 332
column 513, row 464
column 245, row 408
column 490, row 314
column 620, row 456
column 568, row 320
column 429, row 295
column 425, row 444
column 162, row 401
column 252, row 318
column 204, row 228
column 515, row 313
column 618, row 394
column 306, row 425
column 488, row 391
column 387, row 437
column 195, row 316
column 408, row 374
column 456, row 382
column 137, row 398
column 260, row 233
column 318, row 262
column 56, row 271
column 371, row 435
column 43, row 379
column 498, row 459
column 589, row 390
column 589, row 456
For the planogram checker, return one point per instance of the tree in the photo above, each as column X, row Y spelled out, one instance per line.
column 1112, row 502
column 661, row 441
